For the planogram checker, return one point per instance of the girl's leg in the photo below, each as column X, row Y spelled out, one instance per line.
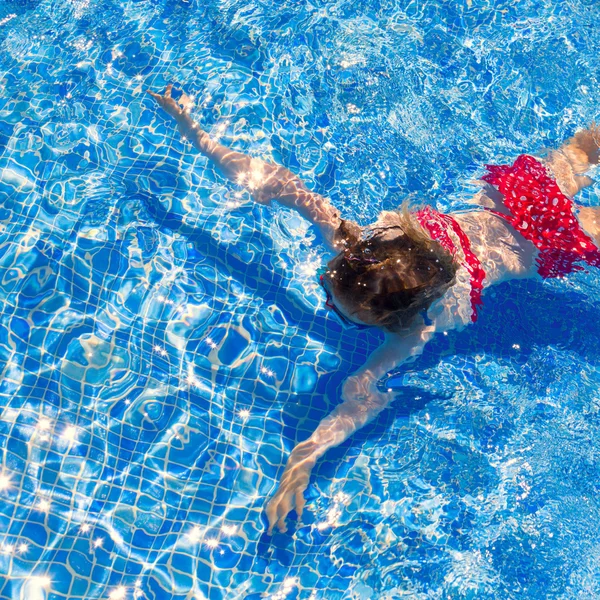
column 569, row 164
column 574, row 158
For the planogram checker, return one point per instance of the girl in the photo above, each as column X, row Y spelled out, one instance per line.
column 415, row 274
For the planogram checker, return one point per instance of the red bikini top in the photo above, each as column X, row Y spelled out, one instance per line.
column 438, row 226
column 542, row 214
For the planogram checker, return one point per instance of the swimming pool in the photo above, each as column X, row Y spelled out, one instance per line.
column 164, row 343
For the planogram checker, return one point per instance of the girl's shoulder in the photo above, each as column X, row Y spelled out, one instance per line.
column 453, row 310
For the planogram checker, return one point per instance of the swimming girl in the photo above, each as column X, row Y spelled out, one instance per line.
column 415, row 274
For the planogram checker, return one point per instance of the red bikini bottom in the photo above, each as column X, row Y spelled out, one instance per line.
column 542, row 214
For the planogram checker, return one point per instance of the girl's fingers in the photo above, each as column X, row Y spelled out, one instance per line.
column 272, row 514
column 282, row 511
column 279, row 508
column 300, row 502
column 281, row 525
column 156, row 96
column 290, row 495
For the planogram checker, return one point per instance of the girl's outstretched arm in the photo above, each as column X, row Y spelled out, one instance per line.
column 263, row 180
column 362, row 402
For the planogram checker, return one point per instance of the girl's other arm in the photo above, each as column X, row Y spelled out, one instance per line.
column 362, row 402
column 263, row 180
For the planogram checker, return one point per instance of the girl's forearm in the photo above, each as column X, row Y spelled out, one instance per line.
column 363, row 401
column 231, row 163
column 347, row 418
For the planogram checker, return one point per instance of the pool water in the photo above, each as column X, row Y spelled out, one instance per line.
column 164, row 342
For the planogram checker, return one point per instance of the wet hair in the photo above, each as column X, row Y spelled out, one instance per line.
column 388, row 277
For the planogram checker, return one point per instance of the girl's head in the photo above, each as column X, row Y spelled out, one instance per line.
column 390, row 276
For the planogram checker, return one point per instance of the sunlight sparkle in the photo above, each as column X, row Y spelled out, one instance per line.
column 4, row 482
column 118, row 593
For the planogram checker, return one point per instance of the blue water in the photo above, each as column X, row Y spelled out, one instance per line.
column 163, row 342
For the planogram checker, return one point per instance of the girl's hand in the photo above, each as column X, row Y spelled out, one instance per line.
column 167, row 102
column 362, row 402
column 290, row 493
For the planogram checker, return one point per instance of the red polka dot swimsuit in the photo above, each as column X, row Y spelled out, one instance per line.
column 542, row 214
column 538, row 210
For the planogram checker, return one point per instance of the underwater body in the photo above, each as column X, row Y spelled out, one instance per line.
column 164, row 342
